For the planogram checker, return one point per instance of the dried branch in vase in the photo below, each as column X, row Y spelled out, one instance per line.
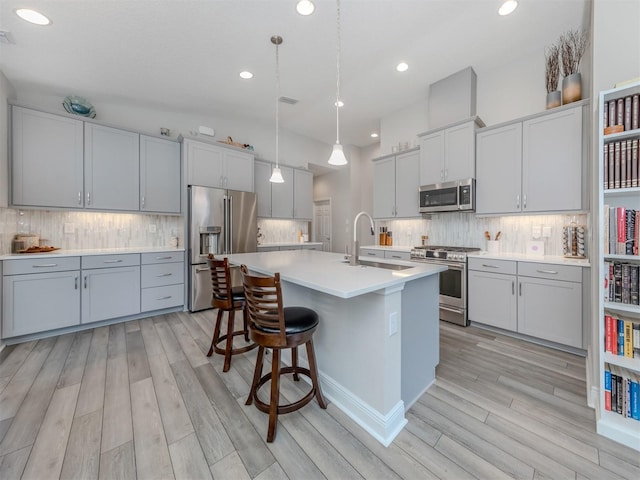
column 573, row 45
column 552, row 74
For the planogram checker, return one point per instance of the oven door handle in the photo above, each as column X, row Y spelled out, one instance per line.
column 452, row 266
column 452, row 310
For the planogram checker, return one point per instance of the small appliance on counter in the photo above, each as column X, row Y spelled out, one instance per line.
column 573, row 240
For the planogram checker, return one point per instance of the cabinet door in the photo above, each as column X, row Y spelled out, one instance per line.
column 407, row 184
column 263, row 188
column 110, row 293
column 112, row 168
column 39, row 302
column 492, row 299
column 460, row 152
column 238, row 171
column 160, row 177
column 47, row 160
column 498, row 170
column 432, row 158
column 552, row 162
column 282, row 195
column 204, row 164
column 303, row 194
column 384, row 188
column 551, row 310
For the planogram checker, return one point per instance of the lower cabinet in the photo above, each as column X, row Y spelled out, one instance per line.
column 162, row 280
column 389, row 254
column 536, row 299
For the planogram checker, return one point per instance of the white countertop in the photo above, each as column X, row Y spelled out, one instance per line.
column 90, row 251
column 326, row 272
column 288, row 244
column 399, row 248
column 521, row 257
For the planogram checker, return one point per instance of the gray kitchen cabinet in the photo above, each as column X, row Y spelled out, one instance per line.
column 37, row 302
column 162, row 280
column 302, row 194
column 396, row 180
column 448, row 153
column 371, row 252
column 46, row 147
column 492, row 295
column 111, row 168
column 262, row 174
column 217, row 166
column 160, row 175
column 110, row 286
column 536, row 164
column 395, row 255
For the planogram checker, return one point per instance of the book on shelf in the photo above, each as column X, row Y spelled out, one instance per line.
column 623, row 111
column 622, row 336
column 621, row 391
column 635, row 153
column 622, row 282
column 617, row 165
column 627, row 112
column 621, row 231
column 635, row 111
column 623, row 165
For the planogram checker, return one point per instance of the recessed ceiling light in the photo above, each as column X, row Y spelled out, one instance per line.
column 374, row 135
column 402, row 67
column 305, row 7
column 246, row 75
column 507, row 7
column 339, row 103
column 32, row 16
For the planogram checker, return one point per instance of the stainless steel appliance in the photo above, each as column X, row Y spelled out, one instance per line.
column 453, row 281
column 220, row 222
column 457, row 196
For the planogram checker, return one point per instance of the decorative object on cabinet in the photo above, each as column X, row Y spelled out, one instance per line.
column 573, row 45
column 618, row 265
column 337, row 155
column 78, row 106
column 552, row 75
column 573, row 240
column 230, row 141
column 276, row 175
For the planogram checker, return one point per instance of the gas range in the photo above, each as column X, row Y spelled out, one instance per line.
column 451, row 254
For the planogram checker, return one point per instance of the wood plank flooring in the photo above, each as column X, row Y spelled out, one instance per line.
column 141, row 400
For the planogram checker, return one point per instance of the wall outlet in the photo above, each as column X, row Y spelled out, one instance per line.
column 69, row 228
column 546, row 232
column 536, row 231
column 393, row 323
column 152, row 228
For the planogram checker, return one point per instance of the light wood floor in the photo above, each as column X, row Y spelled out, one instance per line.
column 141, row 400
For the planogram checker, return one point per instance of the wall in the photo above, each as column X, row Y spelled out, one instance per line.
column 6, row 92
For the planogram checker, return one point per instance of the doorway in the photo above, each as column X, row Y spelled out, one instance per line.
column 322, row 223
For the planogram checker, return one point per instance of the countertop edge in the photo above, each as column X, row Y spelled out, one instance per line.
column 89, row 251
column 521, row 257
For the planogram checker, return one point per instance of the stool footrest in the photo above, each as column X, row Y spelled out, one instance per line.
column 235, row 350
column 289, row 407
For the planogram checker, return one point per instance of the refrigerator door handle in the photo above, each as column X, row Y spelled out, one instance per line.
column 230, row 221
column 225, row 213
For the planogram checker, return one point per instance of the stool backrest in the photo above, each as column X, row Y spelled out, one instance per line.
column 263, row 301
column 221, row 283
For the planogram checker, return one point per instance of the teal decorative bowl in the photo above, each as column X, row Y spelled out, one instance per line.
column 78, row 106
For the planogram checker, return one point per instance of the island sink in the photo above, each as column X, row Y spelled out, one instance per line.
column 388, row 266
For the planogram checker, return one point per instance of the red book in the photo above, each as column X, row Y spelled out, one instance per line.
column 636, row 235
column 621, row 217
column 608, row 335
column 614, row 336
column 607, row 400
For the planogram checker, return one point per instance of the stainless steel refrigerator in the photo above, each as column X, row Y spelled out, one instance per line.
column 220, row 222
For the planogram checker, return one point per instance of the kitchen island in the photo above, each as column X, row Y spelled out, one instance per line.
column 377, row 345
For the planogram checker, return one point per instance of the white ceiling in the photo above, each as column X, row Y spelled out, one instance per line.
column 186, row 55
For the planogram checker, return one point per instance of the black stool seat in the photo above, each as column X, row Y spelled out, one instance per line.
column 237, row 294
column 296, row 320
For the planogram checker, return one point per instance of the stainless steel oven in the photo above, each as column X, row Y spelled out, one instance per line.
column 453, row 281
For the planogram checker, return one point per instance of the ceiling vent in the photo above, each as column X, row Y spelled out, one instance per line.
column 5, row 37
column 290, row 101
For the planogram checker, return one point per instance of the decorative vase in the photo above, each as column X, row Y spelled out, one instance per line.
column 571, row 88
column 554, row 99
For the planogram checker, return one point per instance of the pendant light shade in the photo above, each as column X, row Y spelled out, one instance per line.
column 337, row 155
column 276, row 174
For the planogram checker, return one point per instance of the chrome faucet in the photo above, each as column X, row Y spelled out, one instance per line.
column 355, row 256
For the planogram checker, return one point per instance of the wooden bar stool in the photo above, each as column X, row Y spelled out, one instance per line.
column 274, row 327
column 226, row 299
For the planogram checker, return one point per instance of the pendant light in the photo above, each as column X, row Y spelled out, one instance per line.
column 276, row 174
column 337, row 155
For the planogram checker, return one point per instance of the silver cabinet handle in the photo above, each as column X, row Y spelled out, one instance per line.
column 88, row 198
column 164, row 258
column 520, row 288
column 524, row 201
column 446, row 173
column 113, row 261
column 75, row 283
column 45, row 265
column 164, row 275
column 371, row 253
column 80, row 198
column 513, row 288
column 489, row 266
column 550, row 272
column 396, row 256
column 200, row 270
column 85, row 281
column 142, row 200
column 164, row 298
column 518, row 201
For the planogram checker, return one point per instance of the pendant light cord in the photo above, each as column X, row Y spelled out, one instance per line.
column 338, row 74
column 277, row 105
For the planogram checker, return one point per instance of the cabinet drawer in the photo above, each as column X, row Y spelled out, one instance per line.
column 40, row 265
column 365, row 252
column 397, row 255
column 162, row 257
column 109, row 261
column 565, row 273
column 312, row 247
column 162, row 274
column 268, row 249
column 157, row 298
column 492, row 265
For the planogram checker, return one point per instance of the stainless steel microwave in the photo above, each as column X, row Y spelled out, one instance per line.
column 457, row 196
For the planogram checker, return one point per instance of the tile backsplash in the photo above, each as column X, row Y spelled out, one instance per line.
column 88, row 230
column 467, row 230
column 280, row 231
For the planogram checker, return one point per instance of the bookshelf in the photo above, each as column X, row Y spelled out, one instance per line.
column 618, row 189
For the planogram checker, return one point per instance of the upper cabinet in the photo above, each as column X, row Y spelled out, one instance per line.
column 396, row 180
column 533, row 165
column 291, row 199
column 217, row 166
column 159, row 175
column 448, row 154
column 46, row 146
column 95, row 167
column 112, row 168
